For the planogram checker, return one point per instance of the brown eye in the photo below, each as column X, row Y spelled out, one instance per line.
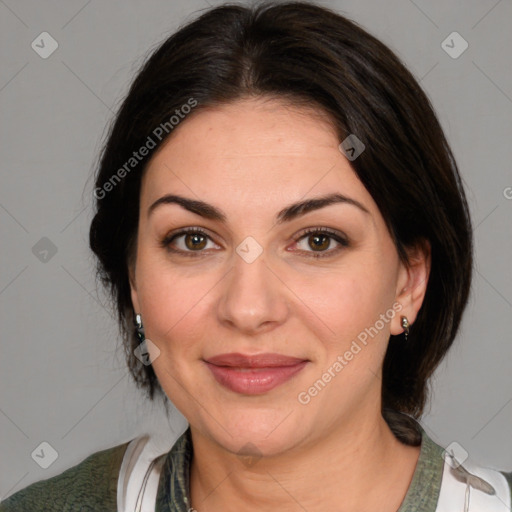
column 188, row 242
column 195, row 241
column 319, row 242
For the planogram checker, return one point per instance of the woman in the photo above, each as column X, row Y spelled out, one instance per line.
column 279, row 215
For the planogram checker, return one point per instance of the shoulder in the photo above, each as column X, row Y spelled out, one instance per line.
column 447, row 479
column 88, row 486
column 508, row 478
column 486, row 488
column 465, row 481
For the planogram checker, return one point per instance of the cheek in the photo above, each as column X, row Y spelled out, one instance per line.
column 178, row 302
column 349, row 299
column 172, row 308
column 175, row 321
column 175, row 300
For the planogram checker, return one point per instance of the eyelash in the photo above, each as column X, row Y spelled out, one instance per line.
column 165, row 243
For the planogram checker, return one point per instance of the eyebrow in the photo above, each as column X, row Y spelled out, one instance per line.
column 287, row 214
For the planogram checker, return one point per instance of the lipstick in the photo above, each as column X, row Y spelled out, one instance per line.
column 256, row 374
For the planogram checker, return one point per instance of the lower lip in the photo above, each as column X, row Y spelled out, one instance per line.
column 254, row 381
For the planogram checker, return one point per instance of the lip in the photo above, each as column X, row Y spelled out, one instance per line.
column 253, row 375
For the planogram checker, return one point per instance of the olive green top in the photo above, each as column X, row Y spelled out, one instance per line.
column 92, row 484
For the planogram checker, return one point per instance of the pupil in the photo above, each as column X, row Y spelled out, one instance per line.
column 194, row 241
column 318, row 244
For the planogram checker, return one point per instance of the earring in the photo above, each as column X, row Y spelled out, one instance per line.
column 139, row 328
column 405, row 326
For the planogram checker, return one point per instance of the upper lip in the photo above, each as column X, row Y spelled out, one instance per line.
column 255, row 361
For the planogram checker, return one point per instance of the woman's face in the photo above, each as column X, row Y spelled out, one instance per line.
column 311, row 313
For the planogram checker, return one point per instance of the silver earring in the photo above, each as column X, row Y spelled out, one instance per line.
column 405, row 326
column 139, row 328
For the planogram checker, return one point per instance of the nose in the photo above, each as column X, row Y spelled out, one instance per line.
column 253, row 299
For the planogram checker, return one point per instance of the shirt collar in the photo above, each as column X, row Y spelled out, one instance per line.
column 174, row 486
column 424, row 489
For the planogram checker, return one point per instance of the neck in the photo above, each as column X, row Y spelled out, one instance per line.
column 355, row 466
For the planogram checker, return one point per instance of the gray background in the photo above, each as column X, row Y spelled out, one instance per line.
column 63, row 378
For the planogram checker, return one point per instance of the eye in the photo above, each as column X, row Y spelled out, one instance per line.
column 316, row 242
column 319, row 240
column 189, row 242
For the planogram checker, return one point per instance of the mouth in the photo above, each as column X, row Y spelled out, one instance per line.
column 253, row 375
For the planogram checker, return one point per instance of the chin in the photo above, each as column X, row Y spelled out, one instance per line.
column 257, row 432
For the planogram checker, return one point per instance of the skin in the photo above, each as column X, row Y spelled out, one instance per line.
column 251, row 158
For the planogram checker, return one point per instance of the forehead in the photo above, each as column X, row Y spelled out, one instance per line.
column 253, row 150
column 250, row 128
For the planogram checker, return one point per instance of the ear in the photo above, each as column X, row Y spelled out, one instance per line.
column 412, row 284
column 133, row 287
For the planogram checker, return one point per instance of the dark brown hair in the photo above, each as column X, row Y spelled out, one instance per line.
column 312, row 56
